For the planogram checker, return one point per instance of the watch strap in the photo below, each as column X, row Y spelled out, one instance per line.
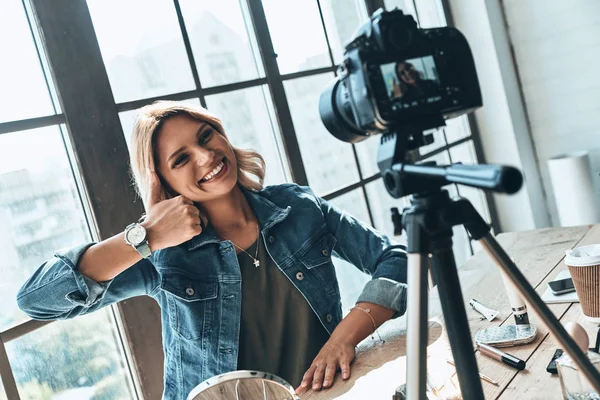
column 144, row 249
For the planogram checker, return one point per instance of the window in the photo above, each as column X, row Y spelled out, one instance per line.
column 329, row 163
column 41, row 210
column 142, row 48
column 222, row 41
column 297, row 35
column 24, row 93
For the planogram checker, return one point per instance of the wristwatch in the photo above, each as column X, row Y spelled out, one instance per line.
column 136, row 236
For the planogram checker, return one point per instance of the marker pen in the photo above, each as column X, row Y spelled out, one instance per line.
column 501, row 356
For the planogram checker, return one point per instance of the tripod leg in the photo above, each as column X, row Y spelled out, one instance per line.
column 416, row 335
column 445, row 274
column 528, row 292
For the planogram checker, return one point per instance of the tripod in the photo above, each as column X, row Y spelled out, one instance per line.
column 428, row 223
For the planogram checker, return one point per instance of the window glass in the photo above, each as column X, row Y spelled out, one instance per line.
column 223, row 41
column 407, row 6
column 457, row 128
column 73, row 359
column 297, row 34
column 40, row 210
column 431, row 13
column 248, row 120
column 350, row 278
column 23, row 90
column 381, row 204
column 465, row 153
column 3, row 394
column 142, row 48
column 367, row 155
column 329, row 162
column 342, row 19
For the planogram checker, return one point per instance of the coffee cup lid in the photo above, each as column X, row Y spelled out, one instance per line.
column 583, row 256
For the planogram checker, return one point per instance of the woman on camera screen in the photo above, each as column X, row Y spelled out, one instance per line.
column 411, row 85
column 243, row 273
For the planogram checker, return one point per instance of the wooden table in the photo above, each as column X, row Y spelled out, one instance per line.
column 379, row 369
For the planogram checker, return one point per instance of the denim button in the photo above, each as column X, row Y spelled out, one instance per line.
column 189, row 291
column 325, row 252
column 271, row 239
column 299, row 276
column 328, row 317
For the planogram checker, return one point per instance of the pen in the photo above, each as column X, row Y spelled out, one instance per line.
column 501, row 356
column 482, row 376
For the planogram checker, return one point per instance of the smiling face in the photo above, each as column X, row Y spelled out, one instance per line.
column 407, row 73
column 194, row 159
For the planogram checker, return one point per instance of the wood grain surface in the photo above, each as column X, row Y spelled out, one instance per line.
column 380, row 368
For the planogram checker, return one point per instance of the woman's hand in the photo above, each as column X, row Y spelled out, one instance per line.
column 336, row 353
column 170, row 222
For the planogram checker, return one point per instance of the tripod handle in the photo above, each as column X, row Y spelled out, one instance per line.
column 411, row 178
column 499, row 178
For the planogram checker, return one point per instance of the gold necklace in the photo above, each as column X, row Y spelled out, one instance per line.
column 255, row 258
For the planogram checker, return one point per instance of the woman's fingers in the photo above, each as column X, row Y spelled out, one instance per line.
column 345, row 367
column 318, row 377
column 329, row 374
column 306, row 379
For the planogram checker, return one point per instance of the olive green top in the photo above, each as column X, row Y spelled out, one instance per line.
column 279, row 333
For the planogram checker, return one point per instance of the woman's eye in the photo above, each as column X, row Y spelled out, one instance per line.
column 180, row 160
column 205, row 137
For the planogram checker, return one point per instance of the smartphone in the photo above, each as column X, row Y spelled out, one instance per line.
column 552, row 364
column 562, row 286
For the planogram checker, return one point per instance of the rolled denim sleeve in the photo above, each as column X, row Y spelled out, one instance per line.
column 57, row 290
column 373, row 253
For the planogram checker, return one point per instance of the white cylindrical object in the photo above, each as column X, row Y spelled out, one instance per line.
column 573, row 184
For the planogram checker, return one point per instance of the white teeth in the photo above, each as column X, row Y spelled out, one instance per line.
column 214, row 172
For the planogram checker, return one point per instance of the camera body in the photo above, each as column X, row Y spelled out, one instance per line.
column 396, row 76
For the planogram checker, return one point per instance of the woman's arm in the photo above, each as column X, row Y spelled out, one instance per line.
column 373, row 253
column 77, row 281
column 384, row 295
column 339, row 351
column 57, row 290
column 168, row 223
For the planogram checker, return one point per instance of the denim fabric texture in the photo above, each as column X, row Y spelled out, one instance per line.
column 198, row 283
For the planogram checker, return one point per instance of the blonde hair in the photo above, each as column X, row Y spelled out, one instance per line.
column 143, row 141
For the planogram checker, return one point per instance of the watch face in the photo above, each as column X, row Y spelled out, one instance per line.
column 136, row 235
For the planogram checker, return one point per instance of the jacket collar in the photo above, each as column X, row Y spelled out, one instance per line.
column 267, row 213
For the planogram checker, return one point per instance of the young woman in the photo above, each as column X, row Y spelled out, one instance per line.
column 243, row 274
column 410, row 85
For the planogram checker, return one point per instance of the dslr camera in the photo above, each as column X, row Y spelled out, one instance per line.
column 396, row 78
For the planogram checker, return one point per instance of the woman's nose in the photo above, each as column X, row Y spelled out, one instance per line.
column 204, row 157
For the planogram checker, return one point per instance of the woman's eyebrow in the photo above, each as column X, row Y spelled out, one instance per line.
column 176, row 152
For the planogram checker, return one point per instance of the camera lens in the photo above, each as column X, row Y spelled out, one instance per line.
column 336, row 113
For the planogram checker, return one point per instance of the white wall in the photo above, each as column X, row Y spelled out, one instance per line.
column 502, row 121
column 557, row 52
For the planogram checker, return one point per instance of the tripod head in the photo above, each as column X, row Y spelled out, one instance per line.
column 404, row 175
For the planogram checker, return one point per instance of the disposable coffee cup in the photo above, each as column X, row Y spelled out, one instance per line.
column 584, row 266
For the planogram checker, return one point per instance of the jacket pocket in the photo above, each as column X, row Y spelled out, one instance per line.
column 190, row 303
column 319, row 251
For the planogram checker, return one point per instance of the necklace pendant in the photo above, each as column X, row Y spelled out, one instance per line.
column 256, row 263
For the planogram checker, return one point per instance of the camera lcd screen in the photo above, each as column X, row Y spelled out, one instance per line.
column 413, row 81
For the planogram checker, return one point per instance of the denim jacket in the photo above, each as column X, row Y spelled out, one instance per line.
column 198, row 283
